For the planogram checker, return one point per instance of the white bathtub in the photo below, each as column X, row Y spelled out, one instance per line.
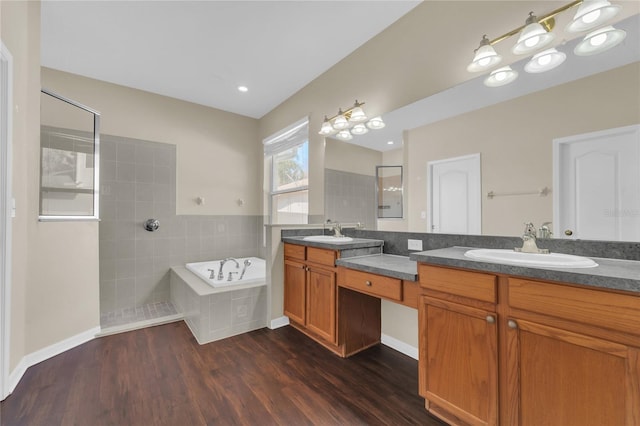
column 254, row 274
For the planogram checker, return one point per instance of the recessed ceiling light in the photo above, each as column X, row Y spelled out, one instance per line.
column 243, row 89
column 390, row 143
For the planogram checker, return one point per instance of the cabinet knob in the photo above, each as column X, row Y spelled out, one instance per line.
column 512, row 324
column 490, row 319
column 367, row 283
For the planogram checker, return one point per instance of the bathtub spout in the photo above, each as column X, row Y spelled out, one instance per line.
column 222, row 262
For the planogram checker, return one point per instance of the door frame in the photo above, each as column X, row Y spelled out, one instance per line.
column 6, row 213
column 557, row 188
column 430, row 166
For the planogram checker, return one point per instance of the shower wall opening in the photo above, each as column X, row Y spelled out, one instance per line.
column 138, row 182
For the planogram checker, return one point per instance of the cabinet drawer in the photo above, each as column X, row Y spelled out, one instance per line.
column 376, row 285
column 600, row 308
column 322, row 256
column 473, row 285
column 294, row 251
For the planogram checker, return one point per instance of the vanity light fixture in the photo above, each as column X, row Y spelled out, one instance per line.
column 485, row 57
column 376, row 123
column 500, row 77
column 243, row 89
column 599, row 40
column 591, row 14
column 359, row 129
column 545, row 61
column 344, row 135
column 535, row 37
column 352, row 121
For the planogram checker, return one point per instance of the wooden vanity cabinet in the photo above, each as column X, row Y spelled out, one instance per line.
column 574, row 355
column 310, row 289
column 458, row 346
column 344, row 322
column 514, row 351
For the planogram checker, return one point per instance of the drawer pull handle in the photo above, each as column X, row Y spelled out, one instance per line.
column 490, row 319
column 367, row 283
column 512, row 324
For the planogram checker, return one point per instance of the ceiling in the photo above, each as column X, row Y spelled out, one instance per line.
column 201, row 51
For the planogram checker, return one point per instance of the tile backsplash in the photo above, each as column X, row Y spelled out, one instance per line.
column 138, row 182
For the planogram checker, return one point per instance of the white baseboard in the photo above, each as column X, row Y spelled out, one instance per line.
column 399, row 346
column 279, row 322
column 46, row 353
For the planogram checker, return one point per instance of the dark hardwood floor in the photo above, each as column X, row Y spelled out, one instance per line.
column 161, row 376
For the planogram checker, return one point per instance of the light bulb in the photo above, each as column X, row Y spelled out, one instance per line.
column 359, row 129
column 599, row 41
column 592, row 14
column 545, row 61
column 500, row 77
column 340, row 122
column 375, row 123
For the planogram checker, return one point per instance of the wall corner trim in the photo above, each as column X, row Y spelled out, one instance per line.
column 278, row 322
column 399, row 346
column 43, row 354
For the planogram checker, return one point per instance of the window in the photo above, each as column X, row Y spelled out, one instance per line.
column 69, row 153
column 287, row 159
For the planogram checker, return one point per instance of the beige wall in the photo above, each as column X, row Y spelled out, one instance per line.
column 55, row 265
column 15, row 28
column 218, row 153
column 515, row 142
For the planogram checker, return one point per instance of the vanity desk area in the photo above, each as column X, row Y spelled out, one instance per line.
column 332, row 290
column 498, row 343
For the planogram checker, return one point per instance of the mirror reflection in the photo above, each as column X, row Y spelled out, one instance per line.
column 513, row 128
column 389, row 192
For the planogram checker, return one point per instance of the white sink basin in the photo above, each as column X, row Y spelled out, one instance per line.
column 328, row 239
column 550, row 260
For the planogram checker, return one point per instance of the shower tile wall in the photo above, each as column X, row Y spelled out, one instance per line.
column 350, row 197
column 138, row 182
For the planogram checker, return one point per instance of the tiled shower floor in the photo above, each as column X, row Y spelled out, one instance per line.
column 145, row 313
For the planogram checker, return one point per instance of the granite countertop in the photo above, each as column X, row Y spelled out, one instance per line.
column 612, row 274
column 389, row 265
column 355, row 243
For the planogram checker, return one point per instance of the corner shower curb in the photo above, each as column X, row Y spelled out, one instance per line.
column 139, row 324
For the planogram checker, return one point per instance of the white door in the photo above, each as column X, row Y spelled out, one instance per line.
column 597, row 181
column 454, row 195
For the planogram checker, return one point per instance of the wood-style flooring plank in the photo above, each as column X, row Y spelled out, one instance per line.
column 162, row 376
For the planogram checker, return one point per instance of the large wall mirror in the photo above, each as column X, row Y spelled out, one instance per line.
column 514, row 128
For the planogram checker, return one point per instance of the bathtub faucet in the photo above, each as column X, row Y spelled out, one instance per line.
column 222, row 262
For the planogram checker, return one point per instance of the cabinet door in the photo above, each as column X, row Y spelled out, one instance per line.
column 458, row 362
column 566, row 378
column 295, row 291
column 321, row 303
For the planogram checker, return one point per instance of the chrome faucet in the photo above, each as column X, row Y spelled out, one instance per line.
column 335, row 227
column 222, row 262
column 337, row 230
column 544, row 231
column 529, row 240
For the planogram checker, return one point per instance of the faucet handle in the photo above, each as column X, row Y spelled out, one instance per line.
column 529, row 229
